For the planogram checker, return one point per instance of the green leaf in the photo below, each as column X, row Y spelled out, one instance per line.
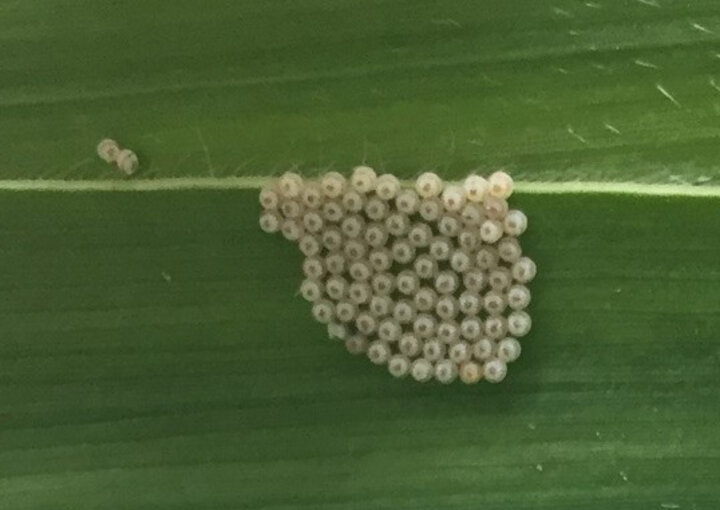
column 154, row 353
column 560, row 89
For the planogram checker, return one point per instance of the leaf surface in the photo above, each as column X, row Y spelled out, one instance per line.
column 155, row 354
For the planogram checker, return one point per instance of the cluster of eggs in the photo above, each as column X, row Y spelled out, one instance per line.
column 110, row 151
column 429, row 280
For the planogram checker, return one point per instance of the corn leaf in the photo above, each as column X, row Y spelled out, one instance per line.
column 154, row 353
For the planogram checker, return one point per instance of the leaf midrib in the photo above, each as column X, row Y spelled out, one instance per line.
column 257, row 182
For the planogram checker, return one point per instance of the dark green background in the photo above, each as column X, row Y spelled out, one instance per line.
column 154, row 355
